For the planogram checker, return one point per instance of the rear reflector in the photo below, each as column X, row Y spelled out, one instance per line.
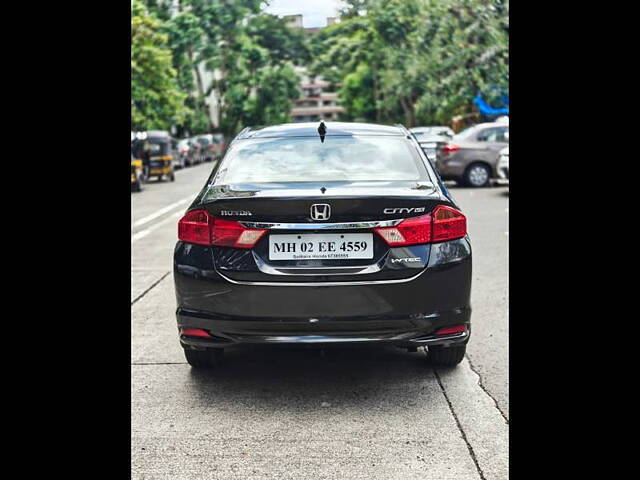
column 451, row 330
column 443, row 224
column 198, row 227
column 194, row 332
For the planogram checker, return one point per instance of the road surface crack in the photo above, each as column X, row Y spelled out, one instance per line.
column 464, row 435
column 506, row 419
column 150, row 288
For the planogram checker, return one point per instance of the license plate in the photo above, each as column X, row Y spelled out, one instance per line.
column 319, row 246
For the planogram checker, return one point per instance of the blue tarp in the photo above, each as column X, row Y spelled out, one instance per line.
column 487, row 109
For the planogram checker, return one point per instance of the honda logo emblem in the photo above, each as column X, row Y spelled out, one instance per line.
column 320, row 211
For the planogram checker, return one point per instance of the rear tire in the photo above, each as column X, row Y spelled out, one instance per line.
column 446, row 356
column 477, row 175
column 172, row 177
column 208, row 358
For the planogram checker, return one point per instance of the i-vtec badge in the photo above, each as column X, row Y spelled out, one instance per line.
column 235, row 212
column 390, row 211
column 408, row 259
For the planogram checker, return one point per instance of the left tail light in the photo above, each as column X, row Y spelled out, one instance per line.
column 198, row 227
column 443, row 224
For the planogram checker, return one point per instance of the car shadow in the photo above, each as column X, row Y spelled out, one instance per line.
column 291, row 379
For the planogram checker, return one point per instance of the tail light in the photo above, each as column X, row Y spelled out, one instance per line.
column 448, row 224
column 450, row 148
column 411, row 231
column 198, row 227
column 444, row 223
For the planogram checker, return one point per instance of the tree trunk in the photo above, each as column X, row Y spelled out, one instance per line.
column 374, row 72
column 201, row 101
column 409, row 114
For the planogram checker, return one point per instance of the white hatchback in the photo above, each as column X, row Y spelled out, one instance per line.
column 503, row 163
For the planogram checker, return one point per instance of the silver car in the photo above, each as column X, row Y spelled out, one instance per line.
column 431, row 138
column 503, row 164
column 471, row 157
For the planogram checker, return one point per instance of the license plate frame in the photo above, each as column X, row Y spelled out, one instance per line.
column 321, row 246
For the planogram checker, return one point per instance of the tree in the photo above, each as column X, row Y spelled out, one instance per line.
column 156, row 101
column 415, row 61
column 188, row 42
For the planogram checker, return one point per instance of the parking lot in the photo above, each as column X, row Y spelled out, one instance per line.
column 302, row 413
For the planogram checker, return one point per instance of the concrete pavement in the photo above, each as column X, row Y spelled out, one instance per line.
column 292, row 413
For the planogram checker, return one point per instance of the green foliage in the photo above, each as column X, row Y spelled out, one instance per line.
column 410, row 61
column 156, row 102
column 415, row 61
column 248, row 53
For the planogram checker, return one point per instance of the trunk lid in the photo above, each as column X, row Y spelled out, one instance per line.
column 355, row 208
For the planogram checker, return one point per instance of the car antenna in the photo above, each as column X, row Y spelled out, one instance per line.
column 322, row 130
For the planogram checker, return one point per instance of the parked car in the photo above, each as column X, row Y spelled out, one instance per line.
column 221, row 145
column 471, row 156
column 429, row 142
column 438, row 130
column 196, row 151
column 185, row 153
column 212, row 146
column 503, row 164
column 348, row 240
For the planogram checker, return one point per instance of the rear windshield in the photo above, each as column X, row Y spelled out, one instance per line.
column 308, row 160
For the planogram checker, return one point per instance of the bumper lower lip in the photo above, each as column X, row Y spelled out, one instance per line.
column 197, row 343
column 399, row 331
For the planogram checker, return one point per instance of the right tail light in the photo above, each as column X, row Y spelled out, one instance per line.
column 443, row 224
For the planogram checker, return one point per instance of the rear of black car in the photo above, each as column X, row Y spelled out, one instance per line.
column 351, row 239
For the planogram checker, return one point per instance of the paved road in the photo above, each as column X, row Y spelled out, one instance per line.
column 292, row 413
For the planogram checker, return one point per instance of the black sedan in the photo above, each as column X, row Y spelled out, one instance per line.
column 338, row 234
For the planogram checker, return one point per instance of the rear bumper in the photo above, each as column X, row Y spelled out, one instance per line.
column 406, row 312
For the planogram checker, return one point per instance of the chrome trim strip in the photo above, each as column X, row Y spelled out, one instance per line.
column 321, row 226
column 357, row 270
column 323, row 284
column 456, row 336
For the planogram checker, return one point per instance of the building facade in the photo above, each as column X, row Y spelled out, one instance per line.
column 317, row 101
